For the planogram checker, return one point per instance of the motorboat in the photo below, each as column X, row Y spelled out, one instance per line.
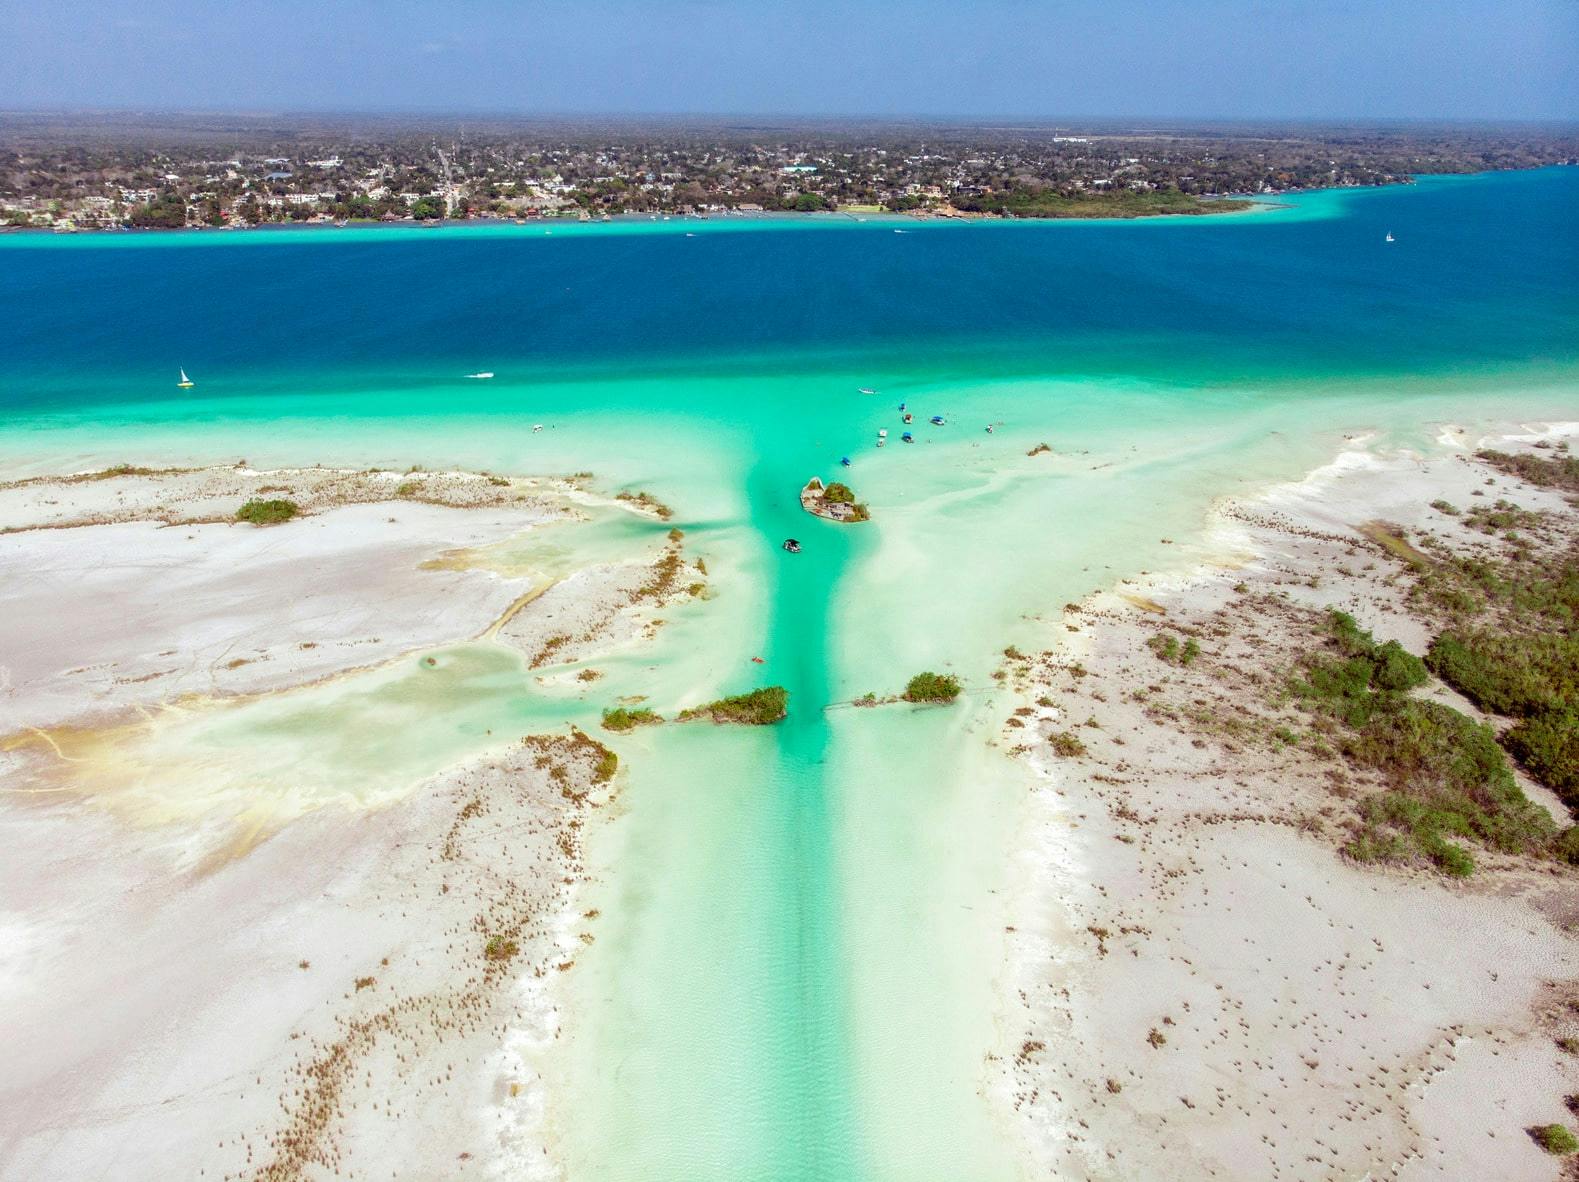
column 936, row 420
column 792, row 545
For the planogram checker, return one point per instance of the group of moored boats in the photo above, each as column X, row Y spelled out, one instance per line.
column 907, row 417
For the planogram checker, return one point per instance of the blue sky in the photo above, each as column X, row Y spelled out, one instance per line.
column 979, row 58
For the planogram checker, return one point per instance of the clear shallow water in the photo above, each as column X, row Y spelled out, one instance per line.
column 794, row 973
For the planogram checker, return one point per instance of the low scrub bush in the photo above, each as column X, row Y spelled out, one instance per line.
column 267, row 512
column 1548, row 745
column 1557, row 1140
column 1445, row 774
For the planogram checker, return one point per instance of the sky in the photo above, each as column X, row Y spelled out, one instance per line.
column 1314, row 59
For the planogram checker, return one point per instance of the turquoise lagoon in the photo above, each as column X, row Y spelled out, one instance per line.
column 795, row 975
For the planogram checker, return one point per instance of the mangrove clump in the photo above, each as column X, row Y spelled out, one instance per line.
column 757, row 708
column 932, row 687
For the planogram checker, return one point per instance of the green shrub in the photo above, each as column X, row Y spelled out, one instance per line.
column 267, row 512
column 1396, row 670
column 757, row 708
column 838, row 494
column 1508, row 674
column 932, row 687
column 621, row 719
column 1555, row 1139
column 1566, row 846
column 1548, row 745
column 1453, row 859
column 1344, row 686
column 1170, row 650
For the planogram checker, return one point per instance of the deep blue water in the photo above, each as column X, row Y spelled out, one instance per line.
column 1484, row 274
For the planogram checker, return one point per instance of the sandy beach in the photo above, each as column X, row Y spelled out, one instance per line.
column 341, row 991
column 1206, row 987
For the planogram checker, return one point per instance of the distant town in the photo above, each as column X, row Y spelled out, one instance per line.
column 122, row 171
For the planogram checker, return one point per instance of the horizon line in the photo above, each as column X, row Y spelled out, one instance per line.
column 705, row 117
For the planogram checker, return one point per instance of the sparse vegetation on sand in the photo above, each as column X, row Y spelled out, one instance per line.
column 1170, row 650
column 932, row 687
column 555, row 753
column 1445, row 775
column 1067, row 744
column 267, row 512
column 757, row 708
column 1559, row 471
column 620, row 719
column 647, row 502
column 500, row 948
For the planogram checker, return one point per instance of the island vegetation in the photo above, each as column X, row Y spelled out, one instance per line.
column 932, row 687
column 757, row 708
column 267, row 512
column 834, row 501
column 621, row 719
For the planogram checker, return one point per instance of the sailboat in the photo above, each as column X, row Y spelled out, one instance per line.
column 185, row 383
column 1389, row 237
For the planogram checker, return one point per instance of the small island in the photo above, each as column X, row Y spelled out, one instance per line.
column 757, row 708
column 621, row 719
column 932, row 687
column 832, row 502
column 928, row 687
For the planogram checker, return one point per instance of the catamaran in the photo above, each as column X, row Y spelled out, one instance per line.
column 185, row 383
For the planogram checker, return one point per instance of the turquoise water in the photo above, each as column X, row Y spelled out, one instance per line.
column 794, row 975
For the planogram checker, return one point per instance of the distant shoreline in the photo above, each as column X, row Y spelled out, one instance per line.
column 1243, row 205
